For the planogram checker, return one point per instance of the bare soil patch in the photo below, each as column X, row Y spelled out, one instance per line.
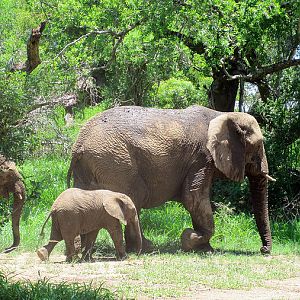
column 109, row 272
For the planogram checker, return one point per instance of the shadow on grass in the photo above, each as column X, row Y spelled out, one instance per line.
column 104, row 252
column 236, row 252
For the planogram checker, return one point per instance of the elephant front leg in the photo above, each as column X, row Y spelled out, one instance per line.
column 199, row 207
column 115, row 231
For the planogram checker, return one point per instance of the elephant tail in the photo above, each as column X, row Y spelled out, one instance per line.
column 70, row 171
column 75, row 158
column 42, row 231
column 69, row 175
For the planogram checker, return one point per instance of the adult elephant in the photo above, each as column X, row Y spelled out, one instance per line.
column 11, row 182
column 154, row 155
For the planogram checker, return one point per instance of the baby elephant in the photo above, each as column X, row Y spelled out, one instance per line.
column 81, row 212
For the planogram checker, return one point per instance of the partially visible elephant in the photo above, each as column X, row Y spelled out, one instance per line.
column 154, row 155
column 79, row 212
column 11, row 182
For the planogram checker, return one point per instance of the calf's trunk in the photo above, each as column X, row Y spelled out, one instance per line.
column 138, row 235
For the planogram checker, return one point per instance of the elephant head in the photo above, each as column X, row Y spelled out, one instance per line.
column 235, row 142
column 123, row 209
column 11, row 182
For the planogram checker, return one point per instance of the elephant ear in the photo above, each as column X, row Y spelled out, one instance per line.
column 227, row 145
column 117, row 208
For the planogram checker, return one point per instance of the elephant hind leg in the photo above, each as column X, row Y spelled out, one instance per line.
column 55, row 237
column 44, row 252
column 90, row 239
column 139, row 194
column 70, row 249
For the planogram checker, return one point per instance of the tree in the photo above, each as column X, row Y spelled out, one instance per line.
column 240, row 41
column 126, row 49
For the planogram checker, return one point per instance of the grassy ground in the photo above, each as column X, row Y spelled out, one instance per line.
column 159, row 274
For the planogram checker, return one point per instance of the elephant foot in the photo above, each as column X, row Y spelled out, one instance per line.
column 42, row 253
column 147, row 246
column 192, row 241
column 122, row 256
column 72, row 258
column 264, row 250
column 10, row 249
column 86, row 258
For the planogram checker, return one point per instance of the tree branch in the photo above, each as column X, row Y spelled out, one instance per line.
column 263, row 71
column 199, row 47
column 33, row 56
column 117, row 35
column 94, row 32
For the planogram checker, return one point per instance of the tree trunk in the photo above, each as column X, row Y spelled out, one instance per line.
column 264, row 90
column 33, row 56
column 222, row 93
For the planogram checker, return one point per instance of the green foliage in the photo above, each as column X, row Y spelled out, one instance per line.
column 163, row 225
column 43, row 289
column 14, row 31
column 150, row 58
column 15, row 132
column 176, row 93
column 232, row 194
column 280, row 120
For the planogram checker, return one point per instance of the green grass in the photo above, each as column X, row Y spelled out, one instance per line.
column 169, row 275
column 43, row 289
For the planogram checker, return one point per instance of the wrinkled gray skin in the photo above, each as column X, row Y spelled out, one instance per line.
column 154, row 155
column 11, row 182
column 79, row 212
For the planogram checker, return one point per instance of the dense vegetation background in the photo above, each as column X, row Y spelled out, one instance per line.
column 95, row 54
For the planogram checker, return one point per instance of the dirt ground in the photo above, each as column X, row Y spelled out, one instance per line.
column 27, row 266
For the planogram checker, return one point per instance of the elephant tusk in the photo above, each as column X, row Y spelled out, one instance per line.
column 269, row 177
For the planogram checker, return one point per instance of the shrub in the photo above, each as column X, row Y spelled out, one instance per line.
column 175, row 93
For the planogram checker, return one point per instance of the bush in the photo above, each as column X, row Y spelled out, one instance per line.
column 16, row 139
column 280, row 123
column 175, row 93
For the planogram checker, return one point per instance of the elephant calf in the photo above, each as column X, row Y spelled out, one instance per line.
column 82, row 212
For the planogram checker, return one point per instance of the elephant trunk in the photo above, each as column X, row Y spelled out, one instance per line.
column 259, row 194
column 137, row 230
column 19, row 199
